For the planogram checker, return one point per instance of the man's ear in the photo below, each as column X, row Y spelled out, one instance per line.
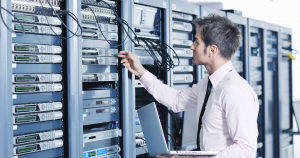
column 213, row 49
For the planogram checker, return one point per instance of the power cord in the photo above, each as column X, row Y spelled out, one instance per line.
column 99, row 28
column 166, row 63
column 17, row 33
column 62, row 12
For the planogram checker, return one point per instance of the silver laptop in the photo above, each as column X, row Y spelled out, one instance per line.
column 154, row 136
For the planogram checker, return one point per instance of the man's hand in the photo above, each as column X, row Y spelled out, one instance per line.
column 174, row 156
column 132, row 63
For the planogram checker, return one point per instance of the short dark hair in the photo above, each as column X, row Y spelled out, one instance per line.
column 219, row 31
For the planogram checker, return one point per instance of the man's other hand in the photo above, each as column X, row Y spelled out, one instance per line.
column 132, row 62
column 174, row 156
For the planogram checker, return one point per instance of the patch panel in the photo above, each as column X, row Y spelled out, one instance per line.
column 140, row 142
column 101, row 4
column 98, row 10
column 37, row 137
column 36, row 107
column 101, row 18
column 39, row 117
column 44, row 2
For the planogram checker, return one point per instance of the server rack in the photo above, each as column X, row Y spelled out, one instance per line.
column 271, row 89
column 286, row 89
column 101, row 76
column 204, row 11
column 156, row 13
column 34, row 97
column 239, row 59
column 256, row 58
column 183, row 76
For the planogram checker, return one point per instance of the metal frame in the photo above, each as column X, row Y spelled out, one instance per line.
column 237, row 19
column 276, row 114
column 260, row 25
column 74, row 66
column 6, row 123
column 129, row 147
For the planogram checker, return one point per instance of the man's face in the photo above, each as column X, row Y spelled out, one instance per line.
column 200, row 57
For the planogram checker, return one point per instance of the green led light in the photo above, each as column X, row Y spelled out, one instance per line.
column 26, row 139
column 19, row 27
column 25, row 78
column 29, row 118
column 25, row 88
column 25, row 108
column 24, row 17
column 25, row 58
column 26, row 149
column 93, row 153
column 24, row 47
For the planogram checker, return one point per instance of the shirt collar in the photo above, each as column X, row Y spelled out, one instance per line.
column 218, row 75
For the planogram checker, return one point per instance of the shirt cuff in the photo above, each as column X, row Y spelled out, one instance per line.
column 147, row 78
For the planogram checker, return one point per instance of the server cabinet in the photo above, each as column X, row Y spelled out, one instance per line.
column 183, row 76
column 286, row 89
column 34, row 63
column 204, row 11
column 149, row 20
column 101, row 75
column 256, row 58
column 271, row 89
column 239, row 59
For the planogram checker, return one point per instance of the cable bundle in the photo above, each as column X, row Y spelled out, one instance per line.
column 152, row 46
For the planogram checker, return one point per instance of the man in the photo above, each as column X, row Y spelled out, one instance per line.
column 226, row 104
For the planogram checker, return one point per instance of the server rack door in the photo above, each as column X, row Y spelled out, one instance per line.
column 256, row 57
column 285, row 94
column 240, row 58
column 271, row 113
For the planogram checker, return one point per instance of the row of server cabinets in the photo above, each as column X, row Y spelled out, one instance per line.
column 71, row 97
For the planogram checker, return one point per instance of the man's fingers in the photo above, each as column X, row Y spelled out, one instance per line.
column 124, row 61
column 159, row 156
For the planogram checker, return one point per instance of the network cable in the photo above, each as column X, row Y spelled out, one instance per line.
column 62, row 12
column 17, row 33
column 99, row 28
column 166, row 63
